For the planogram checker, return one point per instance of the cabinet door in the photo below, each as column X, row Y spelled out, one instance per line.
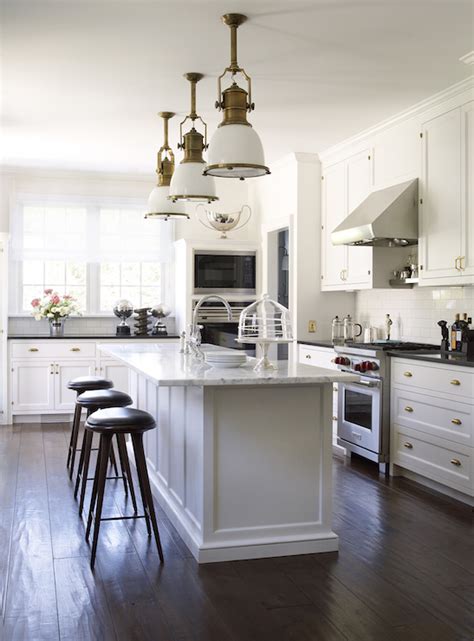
column 440, row 210
column 358, row 187
column 334, row 211
column 32, row 386
column 64, row 398
column 467, row 239
column 116, row 372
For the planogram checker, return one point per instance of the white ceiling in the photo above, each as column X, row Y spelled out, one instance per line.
column 82, row 81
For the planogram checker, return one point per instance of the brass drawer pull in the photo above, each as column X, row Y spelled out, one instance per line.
column 75, row 349
column 409, row 446
column 456, row 421
column 408, row 409
column 407, row 374
column 308, row 356
column 455, row 382
column 456, row 462
column 33, row 349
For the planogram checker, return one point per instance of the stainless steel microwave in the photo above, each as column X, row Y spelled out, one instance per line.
column 217, row 272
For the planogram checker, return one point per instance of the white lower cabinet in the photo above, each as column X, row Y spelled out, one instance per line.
column 432, row 422
column 41, row 369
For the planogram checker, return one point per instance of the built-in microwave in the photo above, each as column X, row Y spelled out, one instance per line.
column 217, row 272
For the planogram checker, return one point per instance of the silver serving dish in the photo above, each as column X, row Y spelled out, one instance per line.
column 221, row 222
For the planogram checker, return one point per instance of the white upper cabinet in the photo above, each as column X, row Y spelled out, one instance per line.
column 333, row 213
column 446, row 250
column 345, row 185
column 440, row 197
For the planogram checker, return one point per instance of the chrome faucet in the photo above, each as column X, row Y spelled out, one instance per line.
column 193, row 340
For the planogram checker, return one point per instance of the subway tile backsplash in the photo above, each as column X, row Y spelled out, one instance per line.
column 415, row 312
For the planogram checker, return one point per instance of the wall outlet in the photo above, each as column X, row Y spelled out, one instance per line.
column 311, row 326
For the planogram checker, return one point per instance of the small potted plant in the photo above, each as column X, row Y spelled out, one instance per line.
column 55, row 308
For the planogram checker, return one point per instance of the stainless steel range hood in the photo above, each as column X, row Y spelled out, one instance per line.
column 386, row 218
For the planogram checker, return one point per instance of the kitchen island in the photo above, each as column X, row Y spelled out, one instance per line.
column 240, row 460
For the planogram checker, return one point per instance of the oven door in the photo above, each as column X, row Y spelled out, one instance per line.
column 360, row 413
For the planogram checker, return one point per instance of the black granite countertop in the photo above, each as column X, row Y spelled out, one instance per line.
column 93, row 337
column 436, row 357
column 318, row 343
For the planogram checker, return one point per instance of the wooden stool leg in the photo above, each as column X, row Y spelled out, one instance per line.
column 81, row 460
column 85, row 468
column 140, row 483
column 123, row 453
column 106, row 440
column 137, row 440
column 76, row 422
column 94, row 491
column 113, row 461
column 122, row 466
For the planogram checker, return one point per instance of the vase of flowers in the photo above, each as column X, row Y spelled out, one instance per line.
column 55, row 308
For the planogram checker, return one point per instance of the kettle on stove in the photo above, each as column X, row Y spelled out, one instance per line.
column 350, row 329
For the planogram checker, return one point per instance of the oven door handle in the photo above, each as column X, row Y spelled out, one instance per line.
column 367, row 383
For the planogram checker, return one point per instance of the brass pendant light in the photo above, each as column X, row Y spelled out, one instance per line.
column 235, row 150
column 159, row 205
column 188, row 182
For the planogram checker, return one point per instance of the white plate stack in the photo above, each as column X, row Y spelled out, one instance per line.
column 226, row 360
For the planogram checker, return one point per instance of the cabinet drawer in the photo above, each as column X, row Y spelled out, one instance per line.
column 318, row 356
column 443, row 461
column 454, row 381
column 452, row 420
column 52, row 349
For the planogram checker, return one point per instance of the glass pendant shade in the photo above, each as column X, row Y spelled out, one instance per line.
column 235, row 150
column 188, row 182
column 159, row 206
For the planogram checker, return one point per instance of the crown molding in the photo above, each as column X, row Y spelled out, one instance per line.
column 468, row 58
column 416, row 109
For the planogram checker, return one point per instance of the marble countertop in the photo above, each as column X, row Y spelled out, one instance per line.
column 94, row 337
column 455, row 358
column 164, row 365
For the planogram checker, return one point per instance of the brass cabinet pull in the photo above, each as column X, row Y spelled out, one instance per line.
column 408, row 409
column 345, row 274
column 75, row 349
column 341, row 274
column 456, row 462
column 462, row 263
column 57, row 368
column 51, row 368
column 456, row 421
column 455, row 382
column 408, row 445
column 456, row 266
column 308, row 356
column 33, row 349
column 407, row 374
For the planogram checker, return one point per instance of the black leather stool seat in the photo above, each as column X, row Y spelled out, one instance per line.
column 84, row 383
column 102, row 398
column 124, row 420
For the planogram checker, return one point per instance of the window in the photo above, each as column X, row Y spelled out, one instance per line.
column 97, row 253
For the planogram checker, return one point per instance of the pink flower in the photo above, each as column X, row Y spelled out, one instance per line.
column 35, row 302
column 48, row 291
column 55, row 300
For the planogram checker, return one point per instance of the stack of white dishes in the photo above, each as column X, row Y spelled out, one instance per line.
column 226, row 360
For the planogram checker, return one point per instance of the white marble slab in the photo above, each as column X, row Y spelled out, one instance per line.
column 164, row 365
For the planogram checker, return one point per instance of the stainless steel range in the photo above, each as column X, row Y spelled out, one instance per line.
column 363, row 425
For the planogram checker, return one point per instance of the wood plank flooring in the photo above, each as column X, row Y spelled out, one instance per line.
column 405, row 570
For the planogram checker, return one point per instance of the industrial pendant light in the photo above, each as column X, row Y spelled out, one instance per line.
column 189, row 182
column 235, row 150
column 159, row 206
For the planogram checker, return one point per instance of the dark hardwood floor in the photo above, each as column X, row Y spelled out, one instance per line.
column 405, row 570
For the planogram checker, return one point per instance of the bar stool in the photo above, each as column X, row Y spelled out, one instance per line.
column 79, row 385
column 92, row 401
column 107, row 423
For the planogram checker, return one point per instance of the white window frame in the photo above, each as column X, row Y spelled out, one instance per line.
column 92, row 268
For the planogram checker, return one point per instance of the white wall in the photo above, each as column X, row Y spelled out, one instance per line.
column 290, row 197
